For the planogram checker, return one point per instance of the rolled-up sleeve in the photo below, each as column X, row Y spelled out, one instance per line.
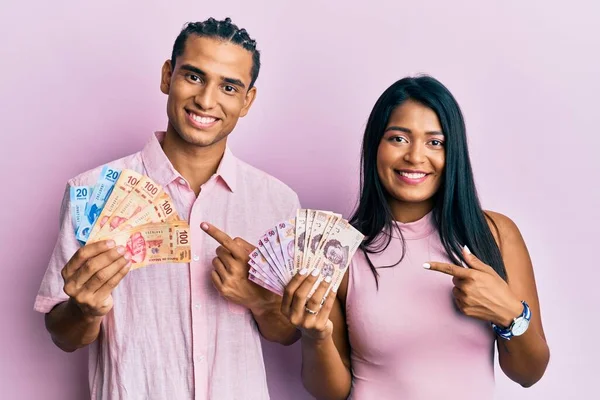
column 51, row 290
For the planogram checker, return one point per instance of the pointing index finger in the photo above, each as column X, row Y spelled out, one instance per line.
column 448, row 269
column 221, row 237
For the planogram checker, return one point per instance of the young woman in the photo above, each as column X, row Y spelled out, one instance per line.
column 437, row 281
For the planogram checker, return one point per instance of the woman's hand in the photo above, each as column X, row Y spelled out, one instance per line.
column 479, row 292
column 309, row 314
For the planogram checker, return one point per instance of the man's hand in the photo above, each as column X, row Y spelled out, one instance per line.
column 230, row 276
column 91, row 275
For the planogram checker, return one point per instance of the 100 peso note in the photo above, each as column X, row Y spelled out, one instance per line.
column 156, row 243
column 136, row 213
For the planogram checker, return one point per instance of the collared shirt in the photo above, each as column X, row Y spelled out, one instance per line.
column 170, row 335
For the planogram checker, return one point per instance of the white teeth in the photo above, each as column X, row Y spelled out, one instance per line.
column 412, row 175
column 203, row 120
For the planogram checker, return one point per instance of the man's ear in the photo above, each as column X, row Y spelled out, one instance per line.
column 250, row 96
column 165, row 79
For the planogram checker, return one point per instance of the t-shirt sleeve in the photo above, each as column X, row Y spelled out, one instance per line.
column 51, row 290
column 294, row 206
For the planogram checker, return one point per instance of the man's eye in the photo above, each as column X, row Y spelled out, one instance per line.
column 229, row 89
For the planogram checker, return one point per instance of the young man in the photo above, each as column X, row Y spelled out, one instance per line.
column 180, row 331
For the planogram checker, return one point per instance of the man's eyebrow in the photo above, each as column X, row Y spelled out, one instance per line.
column 234, row 81
column 191, row 68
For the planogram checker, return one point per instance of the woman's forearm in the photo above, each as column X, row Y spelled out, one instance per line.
column 524, row 358
column 323, row 372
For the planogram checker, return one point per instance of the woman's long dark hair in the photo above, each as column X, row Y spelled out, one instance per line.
column 457, row 211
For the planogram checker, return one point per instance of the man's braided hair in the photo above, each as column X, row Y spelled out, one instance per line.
column 223, row 30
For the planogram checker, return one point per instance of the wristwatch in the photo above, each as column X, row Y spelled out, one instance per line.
column 518, row 326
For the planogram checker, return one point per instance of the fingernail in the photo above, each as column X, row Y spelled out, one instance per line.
column 127, row 265
column 315, row 272
column 204, row 226
column 467, row 250
column 328, row 279
column 426, row 265
column 121, row 250
column 127, row 256
column 110, row 244
column 303, row 271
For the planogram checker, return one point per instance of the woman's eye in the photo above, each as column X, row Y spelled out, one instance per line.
column 436, row 142
column 398, row 139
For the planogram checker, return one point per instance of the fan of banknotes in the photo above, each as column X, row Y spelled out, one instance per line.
column 135, row 212
column 313, row 240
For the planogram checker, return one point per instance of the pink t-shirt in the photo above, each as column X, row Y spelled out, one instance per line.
column 170, row 334
column 408, row 339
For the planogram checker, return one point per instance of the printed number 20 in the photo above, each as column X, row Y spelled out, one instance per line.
column 112, row 174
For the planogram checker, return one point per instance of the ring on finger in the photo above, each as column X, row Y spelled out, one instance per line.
column 311, row 312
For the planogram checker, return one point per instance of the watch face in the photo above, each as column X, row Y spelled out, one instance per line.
column 520, row 326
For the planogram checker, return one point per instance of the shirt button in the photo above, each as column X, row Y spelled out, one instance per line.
column 182, row 181
column 197, row 306
column 200, row 358
column 196, row 257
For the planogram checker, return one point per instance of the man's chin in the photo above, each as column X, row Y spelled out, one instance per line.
column 200, row 138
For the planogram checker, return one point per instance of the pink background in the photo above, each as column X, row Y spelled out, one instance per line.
column 80, row 86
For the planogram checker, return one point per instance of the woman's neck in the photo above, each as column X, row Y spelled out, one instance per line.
column 410, row 212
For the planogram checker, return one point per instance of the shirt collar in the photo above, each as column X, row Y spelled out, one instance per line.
column 227, row 169
column 160, row 169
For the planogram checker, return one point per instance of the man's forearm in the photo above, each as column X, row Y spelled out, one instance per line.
column 69, row 328
column 272, row 324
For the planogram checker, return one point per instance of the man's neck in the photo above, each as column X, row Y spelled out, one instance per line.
column 196, row 164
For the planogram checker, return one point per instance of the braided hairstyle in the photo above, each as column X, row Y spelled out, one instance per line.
column 223, row 30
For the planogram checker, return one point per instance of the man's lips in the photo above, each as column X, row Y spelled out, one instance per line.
column 201, row 120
